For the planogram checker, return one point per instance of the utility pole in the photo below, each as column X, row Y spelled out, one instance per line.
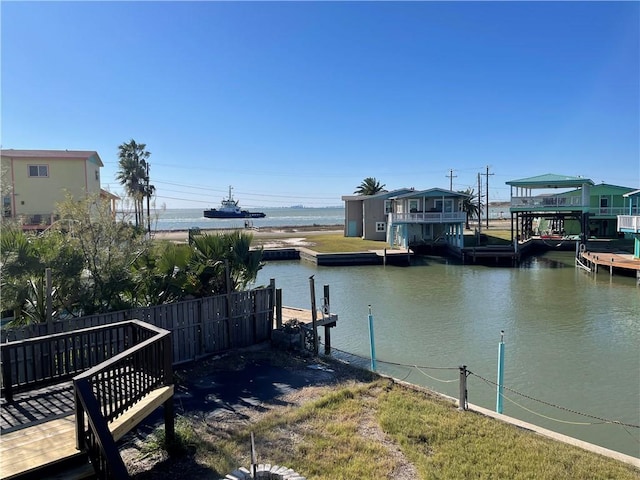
column 487, row 194
column 149, row 196
column 451, row 177
column 479, row 207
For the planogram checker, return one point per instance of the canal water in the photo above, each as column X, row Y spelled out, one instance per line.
column 571, row 339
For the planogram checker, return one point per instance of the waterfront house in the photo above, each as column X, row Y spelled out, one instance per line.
column 581, row 209
column 34, row 181
column 365, row 216
column 546, row 214
column 406, row 217
column 426, row 217
column 629, row 222
column 606, row 202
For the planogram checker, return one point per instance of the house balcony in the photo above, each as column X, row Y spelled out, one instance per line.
column 427, row 217
column 541, row 204
column 629, row 223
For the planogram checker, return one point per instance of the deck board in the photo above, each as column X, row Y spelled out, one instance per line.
column 36, row 443
column 36, row 446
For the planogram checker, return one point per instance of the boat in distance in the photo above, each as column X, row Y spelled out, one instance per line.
column 229, row 208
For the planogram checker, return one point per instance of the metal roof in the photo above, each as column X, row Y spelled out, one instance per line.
column 432, row 192
column 52, row 154
column 550, row 180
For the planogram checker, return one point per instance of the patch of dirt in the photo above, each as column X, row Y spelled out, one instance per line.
column 229, row 392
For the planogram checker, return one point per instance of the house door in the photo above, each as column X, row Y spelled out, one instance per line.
column 352, row 229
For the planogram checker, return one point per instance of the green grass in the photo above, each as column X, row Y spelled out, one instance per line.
column 338, row 243
column 356, row 430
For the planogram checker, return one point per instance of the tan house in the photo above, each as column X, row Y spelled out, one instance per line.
column 35, row 181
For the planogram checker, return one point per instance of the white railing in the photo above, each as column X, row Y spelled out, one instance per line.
column 629, row 222
column 547, row 202
column 428, row 217
column 609, row 211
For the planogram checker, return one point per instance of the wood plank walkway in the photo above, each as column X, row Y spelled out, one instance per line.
column 611, row 260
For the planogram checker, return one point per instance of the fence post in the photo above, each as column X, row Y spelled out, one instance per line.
column 314, row 314
column 272, row 303
column 7, row 378
column 500, row 382
column 462, row 404
column 169, row 417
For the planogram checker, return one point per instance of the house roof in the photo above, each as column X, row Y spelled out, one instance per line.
column 386, row 194
column 601, row 188
column 550, row 180
column 53, row 154
column 432, row 192
column 634, row 193
column 109, row 195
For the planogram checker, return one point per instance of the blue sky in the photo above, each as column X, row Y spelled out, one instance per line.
column 298, row 102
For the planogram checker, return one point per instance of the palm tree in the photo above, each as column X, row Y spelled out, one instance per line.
column 133, row 173
column 369, row 186
column 470, row 205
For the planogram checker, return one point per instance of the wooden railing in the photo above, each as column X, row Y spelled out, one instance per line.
column 108, row 390
column 50, row 359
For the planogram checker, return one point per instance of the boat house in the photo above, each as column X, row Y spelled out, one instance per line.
column 582, row 210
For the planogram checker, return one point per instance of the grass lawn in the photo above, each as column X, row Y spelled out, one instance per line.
column 337, row 242
column 380, row 429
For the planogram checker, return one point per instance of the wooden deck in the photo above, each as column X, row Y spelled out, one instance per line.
column 38, row 428
column 611, row 261
column 31, row 440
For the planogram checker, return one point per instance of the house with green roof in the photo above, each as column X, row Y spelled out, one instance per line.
column 581, row 208
column 546, row 213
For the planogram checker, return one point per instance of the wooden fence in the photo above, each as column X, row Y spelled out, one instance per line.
column 199, row 327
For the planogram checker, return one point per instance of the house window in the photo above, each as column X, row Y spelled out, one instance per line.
column 387, row 206
column 413, row 206
column 381, row 226
column 38, row 170
column 444, row 206
column 6, row 206
column 97, row 176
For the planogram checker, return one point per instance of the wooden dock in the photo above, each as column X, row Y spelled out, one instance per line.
column 621, row 262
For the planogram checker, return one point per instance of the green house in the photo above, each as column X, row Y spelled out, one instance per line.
column 605, row 203
column 580, row 207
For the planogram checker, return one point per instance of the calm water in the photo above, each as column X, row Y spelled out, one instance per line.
column 571, row 339
column 183, row 219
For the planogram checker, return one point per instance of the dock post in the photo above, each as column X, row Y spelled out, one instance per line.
column 314, row 315
column 384, row 258
column 462, row 402
column 326, row 309
column 372, row 341
column 278, row 308
column 500, row 382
